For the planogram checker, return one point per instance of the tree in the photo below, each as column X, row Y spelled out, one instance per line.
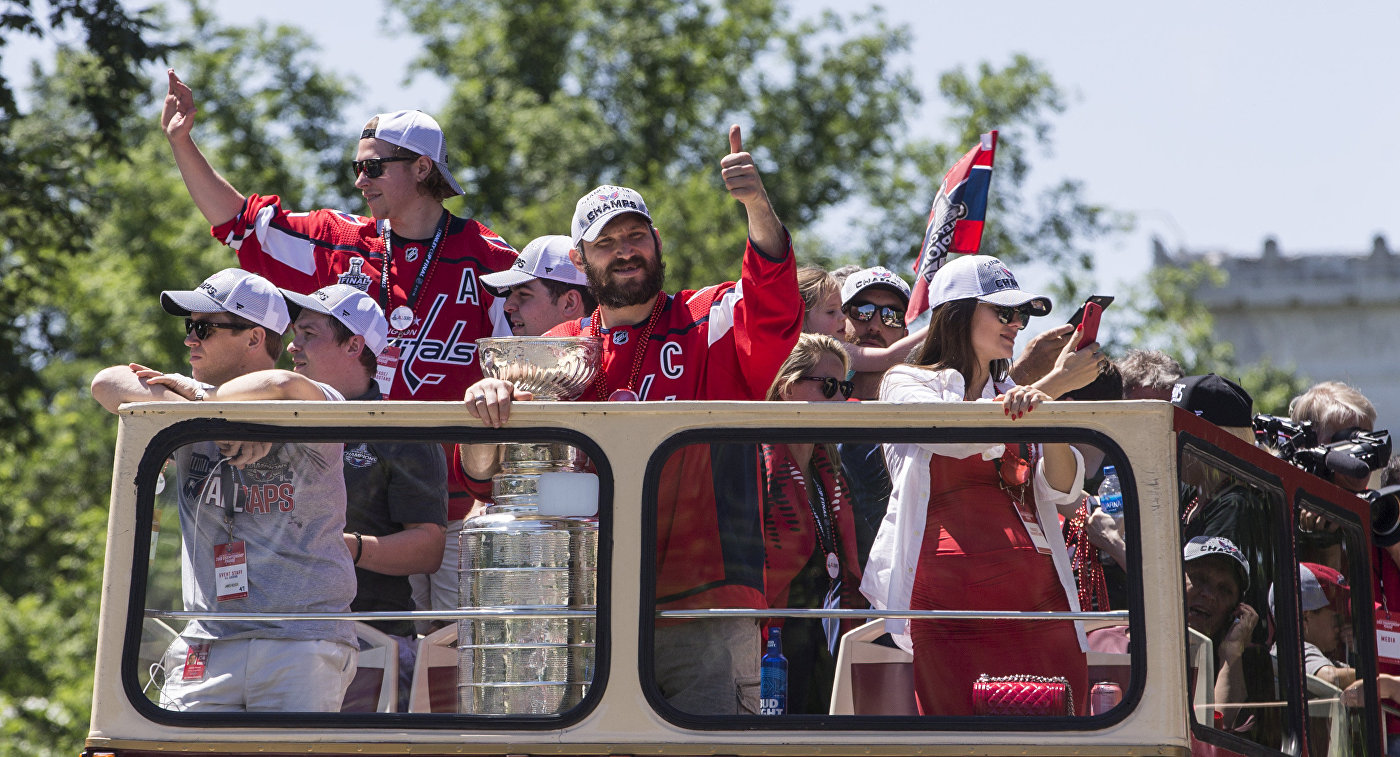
column 92, row 302
column 1052, row 227
column 1163, row 313
column 553, row 97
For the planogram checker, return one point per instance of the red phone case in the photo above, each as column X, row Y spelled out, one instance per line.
column 1092, row 311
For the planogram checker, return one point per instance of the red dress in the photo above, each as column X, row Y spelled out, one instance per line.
column 977, row 555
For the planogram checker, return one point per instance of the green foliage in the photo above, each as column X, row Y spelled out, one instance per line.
column 1163, row 313
column 642, row 93
column 80, row 272
column 1052, row 226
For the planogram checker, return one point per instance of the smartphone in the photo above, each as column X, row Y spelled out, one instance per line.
column 1090, row 322
column 1102, row 300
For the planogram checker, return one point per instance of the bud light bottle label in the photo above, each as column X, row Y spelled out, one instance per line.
column 772, row 682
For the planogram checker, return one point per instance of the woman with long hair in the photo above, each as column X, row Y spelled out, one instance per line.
column 809, row 527
column 972, row 526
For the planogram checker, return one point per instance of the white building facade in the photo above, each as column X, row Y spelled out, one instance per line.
column 1327, row 316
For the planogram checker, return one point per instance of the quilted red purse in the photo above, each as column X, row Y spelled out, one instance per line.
column 1022, row 695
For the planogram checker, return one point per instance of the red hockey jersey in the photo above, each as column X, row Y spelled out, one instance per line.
column 306, row 251
column 724, row 342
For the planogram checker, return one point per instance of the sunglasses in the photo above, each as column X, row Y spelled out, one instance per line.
column 374, row 167
column 1007, row 314
column 864, row 311
column 202, row 329
column 830, row 385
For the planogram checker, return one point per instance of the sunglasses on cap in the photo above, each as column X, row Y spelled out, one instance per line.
column 1007, row 314
column 830, row 385
column 374, row 167
column 202, row 329
column 864, row 311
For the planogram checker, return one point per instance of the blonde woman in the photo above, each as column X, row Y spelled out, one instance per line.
column 809, row 526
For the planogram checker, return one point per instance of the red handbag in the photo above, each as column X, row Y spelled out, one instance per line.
column 1022, row 695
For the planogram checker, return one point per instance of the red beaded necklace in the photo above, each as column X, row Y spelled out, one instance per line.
column 600, row 382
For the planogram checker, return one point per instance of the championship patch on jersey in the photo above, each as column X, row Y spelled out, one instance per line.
column 355, row 277
column 360, row 457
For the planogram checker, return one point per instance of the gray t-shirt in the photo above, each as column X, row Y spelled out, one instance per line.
column 289, row 512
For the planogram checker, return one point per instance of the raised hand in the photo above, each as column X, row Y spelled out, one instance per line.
column 740, row 174
column 177, row 117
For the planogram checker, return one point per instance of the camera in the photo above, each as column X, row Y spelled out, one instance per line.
column 1355, row 456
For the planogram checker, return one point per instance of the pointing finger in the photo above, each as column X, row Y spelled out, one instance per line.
column 736, row 141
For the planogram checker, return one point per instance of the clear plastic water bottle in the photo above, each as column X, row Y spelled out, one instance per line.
column 1111, row 493
column 772, row 681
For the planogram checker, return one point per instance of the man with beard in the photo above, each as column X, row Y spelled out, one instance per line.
column 724, row 342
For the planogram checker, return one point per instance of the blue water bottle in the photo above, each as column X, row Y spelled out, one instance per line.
column 772, row 681
column 1111, row 493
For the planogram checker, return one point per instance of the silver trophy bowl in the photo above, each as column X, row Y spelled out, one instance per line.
column 553, row 368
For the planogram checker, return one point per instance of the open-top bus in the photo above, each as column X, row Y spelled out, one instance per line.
column 1165, row 675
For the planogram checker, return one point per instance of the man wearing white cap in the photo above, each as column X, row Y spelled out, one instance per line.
column 396, row 508
column 724, row 342
column 543, row 289
column 271, row 516
column 430, row 288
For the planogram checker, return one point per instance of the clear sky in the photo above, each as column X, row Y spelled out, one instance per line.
column 1217, row 123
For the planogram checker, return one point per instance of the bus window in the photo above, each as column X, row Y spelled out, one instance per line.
column 895, row 576
column 261, row 571
column 1331, row 551
column 1230, row 540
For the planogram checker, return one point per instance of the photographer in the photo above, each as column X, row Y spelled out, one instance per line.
column 1336, row 410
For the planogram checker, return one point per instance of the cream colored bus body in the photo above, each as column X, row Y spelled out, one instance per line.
column 623, row 722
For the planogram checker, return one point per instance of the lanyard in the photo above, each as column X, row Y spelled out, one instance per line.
column 423, row 271
column 821, row 513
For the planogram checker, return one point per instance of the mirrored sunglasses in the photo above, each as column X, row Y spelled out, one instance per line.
column 864, row 311
column 1007, row 314
column 830, row 385
column 202, row 329
column 374, row 167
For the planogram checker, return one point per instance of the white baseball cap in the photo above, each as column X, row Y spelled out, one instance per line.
column 879, row 276
column 416, row 131
column 233, row 290
column 545, row 257
column 985, row 278
column 349, row 305
column 603, row 204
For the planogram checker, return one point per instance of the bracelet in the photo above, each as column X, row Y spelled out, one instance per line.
column 359, row 547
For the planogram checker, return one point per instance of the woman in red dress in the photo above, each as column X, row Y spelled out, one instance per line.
column 972, row 526
column 809, row 527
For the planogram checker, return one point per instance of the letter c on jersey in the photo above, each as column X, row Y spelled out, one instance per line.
column 671, row 366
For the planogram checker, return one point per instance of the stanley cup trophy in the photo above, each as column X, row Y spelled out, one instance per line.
column 535, row 548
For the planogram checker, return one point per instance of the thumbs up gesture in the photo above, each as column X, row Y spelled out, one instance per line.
column 740, row 174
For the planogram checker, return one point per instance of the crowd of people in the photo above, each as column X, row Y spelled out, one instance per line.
column 389, row 306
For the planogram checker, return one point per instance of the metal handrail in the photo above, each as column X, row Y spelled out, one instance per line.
column 513, row 613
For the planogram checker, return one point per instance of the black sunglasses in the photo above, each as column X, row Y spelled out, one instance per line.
column 374, row 167
column 864, row 311
column 202, row 329
column 831, row 385
column 1006, row 314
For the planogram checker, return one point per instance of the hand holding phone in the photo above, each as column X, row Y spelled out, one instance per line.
column 1089, row 325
